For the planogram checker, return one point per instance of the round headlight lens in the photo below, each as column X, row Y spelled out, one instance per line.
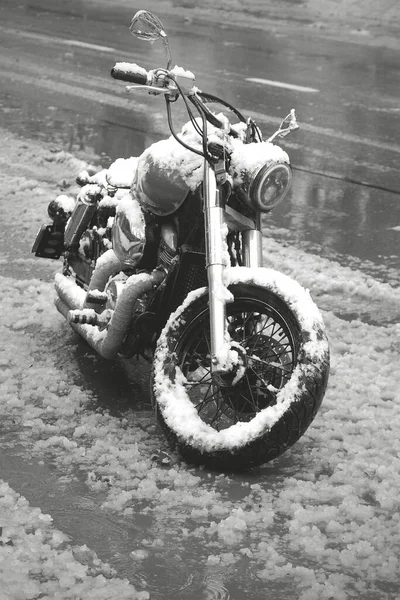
column 269, row 186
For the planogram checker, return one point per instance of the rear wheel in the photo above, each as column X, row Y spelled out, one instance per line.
column 252, row 415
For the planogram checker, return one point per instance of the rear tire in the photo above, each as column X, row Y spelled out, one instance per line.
column 248, row 423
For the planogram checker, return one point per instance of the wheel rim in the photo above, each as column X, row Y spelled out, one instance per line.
column 271, row 356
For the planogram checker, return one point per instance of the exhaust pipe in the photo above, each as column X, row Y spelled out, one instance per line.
column 108, row 341
column 107, row 265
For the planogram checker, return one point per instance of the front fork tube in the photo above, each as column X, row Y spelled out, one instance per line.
column 252, row 246
column 214, row 222
column 215, row 251
column 252, row 257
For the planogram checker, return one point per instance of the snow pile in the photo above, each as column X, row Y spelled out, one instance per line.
column 122, row 171
column 38, row 561
column 320, row 522
column 334, row 287
column 334, row 503
column 66, row 203
column 174, row 161
column 130, row 69
column 251, row 157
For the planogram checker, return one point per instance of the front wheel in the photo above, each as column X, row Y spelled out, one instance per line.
column 250, row 419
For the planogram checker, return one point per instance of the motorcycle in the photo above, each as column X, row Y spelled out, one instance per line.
column 162, row 259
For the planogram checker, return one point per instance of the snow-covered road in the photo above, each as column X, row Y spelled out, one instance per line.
column 323, row 521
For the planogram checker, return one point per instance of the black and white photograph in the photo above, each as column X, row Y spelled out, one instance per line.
column 200, row 300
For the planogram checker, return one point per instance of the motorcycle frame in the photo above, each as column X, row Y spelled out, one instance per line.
column 215, row 221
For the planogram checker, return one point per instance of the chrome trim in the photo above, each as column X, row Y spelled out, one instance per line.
column 214, row 221
column 257, row 182
column 107, row 343
column 236, row 221
column 252, row 248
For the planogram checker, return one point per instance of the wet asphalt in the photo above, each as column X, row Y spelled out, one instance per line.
column 345, row 203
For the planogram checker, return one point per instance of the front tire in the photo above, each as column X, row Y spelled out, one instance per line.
column 239, row 424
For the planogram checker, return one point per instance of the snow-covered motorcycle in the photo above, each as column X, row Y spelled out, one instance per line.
column 162, row 259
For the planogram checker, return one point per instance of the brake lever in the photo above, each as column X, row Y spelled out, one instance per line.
column 150, row 88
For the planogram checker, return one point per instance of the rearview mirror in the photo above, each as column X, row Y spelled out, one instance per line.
column 146, row 26
column 288, row 125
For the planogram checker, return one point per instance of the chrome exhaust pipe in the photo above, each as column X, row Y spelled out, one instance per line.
column 108, row 341
column 107, row 265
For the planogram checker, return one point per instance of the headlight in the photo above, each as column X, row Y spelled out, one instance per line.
column 128, row 232
column 269, row 185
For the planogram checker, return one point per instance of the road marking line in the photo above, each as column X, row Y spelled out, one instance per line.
column 48, row 38
column 86, row 45
column 281, row 84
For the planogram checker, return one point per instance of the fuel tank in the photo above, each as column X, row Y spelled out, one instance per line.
column 166, row 172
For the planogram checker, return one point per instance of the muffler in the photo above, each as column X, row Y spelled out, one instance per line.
column 71, row 302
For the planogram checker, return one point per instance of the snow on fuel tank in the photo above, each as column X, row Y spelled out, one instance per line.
column 166, row 172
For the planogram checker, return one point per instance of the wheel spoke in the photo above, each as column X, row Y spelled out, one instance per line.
column 218, row 414
column 201, row 381
column 245, row 398
column 250, row 390
column 271, row 357
column 200, row 405
column 270, row 335
column 265, row 384
column 234, row 409
column 208, row 344
column 208, row 397
column 269, row 363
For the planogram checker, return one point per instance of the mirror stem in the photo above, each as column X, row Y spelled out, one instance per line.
column 167, row 49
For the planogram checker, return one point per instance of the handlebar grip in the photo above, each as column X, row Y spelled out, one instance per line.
column 130, row 72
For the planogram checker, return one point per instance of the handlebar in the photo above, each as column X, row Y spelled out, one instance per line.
column 178, row 82
column 172, row 83
column 130, row 73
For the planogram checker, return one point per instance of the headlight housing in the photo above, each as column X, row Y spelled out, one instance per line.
column 129, row 232
column 268, row 186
